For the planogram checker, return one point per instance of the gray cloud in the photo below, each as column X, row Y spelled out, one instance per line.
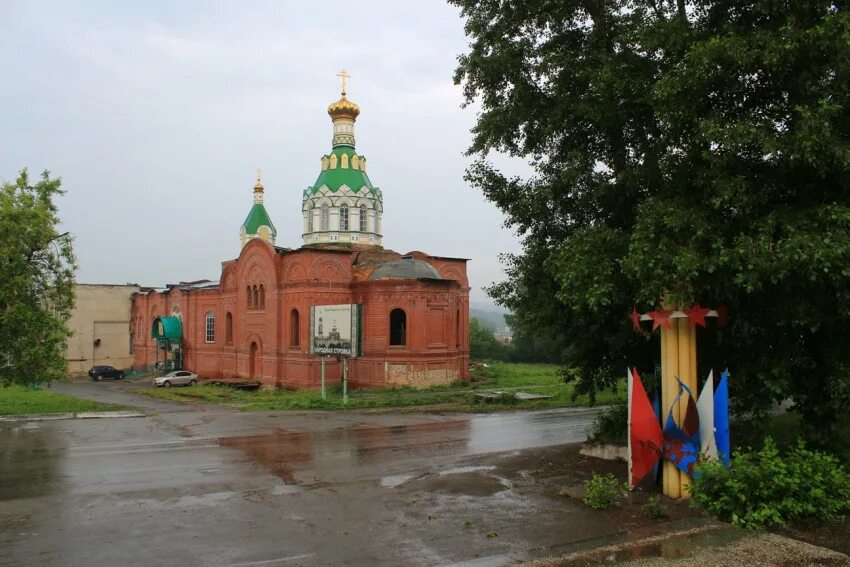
column 156, row 116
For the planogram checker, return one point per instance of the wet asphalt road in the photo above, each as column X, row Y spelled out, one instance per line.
column 206, row 485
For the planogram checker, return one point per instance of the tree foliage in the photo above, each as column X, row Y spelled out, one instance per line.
column 36, row 282
column 482, row 343
column 694, row 150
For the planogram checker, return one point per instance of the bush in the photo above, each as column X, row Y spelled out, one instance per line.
column 611, row 426
column 768, row 488
column 602, row 492
column 654, row 508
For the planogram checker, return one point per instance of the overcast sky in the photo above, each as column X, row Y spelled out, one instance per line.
column 157, row 114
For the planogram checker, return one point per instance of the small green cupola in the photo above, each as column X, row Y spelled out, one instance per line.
column 258, row 224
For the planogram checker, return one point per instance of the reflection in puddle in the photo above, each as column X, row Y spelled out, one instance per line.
column 395, row 480
column 471, row 468
column 332, row 454
column 32, row 457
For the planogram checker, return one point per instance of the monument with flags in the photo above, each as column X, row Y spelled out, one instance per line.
column 694, row 428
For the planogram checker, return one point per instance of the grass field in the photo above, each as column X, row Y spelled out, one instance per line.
column 531, row 378
column 18, row 400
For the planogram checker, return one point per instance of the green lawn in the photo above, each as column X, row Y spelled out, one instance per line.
column 532, row 378
column 18, row 400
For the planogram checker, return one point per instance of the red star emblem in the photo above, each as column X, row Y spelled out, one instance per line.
column 697, row 315
column 660, row 318
column 635, row 317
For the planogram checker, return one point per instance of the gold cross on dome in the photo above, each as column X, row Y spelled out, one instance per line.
column 259, row 174
column 343, row 75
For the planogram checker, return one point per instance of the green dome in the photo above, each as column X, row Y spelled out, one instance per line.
column 335, row 178
column 257, row 218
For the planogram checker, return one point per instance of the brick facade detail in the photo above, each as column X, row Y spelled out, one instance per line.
column 270, row 342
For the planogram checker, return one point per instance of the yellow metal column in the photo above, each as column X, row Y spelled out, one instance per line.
column 672, row 485
column 687, row 374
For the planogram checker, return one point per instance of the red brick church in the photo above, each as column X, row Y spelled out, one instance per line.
column 255, row 322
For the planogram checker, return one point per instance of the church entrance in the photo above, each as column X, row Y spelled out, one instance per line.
column 254, row 361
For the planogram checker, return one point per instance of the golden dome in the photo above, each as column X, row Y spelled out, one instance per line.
column 343, row 108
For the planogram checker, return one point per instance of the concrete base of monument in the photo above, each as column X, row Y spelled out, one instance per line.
column 605, row 451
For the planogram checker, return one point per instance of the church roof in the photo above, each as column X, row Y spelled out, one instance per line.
column 336, row 177
column 257, row 217
column 407, row 268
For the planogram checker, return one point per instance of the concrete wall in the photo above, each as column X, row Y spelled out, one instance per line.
column 101, row 312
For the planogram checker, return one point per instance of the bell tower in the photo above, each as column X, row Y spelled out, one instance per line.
column 343, row 207
column 258, row 224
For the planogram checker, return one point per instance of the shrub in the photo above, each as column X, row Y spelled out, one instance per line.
column 603, row 491
column 768, row 488
column 611, row 426
column 654, row 508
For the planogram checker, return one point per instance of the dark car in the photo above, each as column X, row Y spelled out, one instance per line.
column 100, row 372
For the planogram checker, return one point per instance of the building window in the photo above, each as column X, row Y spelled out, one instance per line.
column 262, row 296
column 362, row 227
column 294, row 328
column 343, row 218
column 326, row 216
column 310, row 220
column 255, row 297
column 398, row 327
column 228, row 328
column 457, row 330
column 210, row 327
column 250, row 300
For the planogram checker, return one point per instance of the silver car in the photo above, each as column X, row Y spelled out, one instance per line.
column 176, row 378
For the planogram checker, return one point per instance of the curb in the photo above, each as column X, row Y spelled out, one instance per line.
column 77, row 415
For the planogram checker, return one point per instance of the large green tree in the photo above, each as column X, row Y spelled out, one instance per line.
column 36, row 282
column 691, row 150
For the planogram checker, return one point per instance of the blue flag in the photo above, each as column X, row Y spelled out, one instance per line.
column 721, row 418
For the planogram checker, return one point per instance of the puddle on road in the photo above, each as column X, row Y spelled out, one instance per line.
column 470, row 468
column 475, row 483
column 394, row 480
column 33, row 459
column 331, row 455
column 282, row 489
column 673, row 547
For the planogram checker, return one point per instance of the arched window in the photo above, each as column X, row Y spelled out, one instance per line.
column 250, row 300
column 262, row 296
column 255, row 300
column 362, row 227
column 210, row 327
column 398, row 327
column 326, row 216
column 294, row 328
column 310, row 220
column 343, row 217
column 228, row 328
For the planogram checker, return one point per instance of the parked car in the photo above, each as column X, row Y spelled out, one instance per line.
column 100, row 372
column 176, row 378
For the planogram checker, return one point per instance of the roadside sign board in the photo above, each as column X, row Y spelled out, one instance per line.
column 335, row 330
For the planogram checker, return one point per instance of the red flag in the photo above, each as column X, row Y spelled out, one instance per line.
column 644, row 432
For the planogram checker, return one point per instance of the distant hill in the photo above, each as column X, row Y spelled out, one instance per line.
column 489, row 317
